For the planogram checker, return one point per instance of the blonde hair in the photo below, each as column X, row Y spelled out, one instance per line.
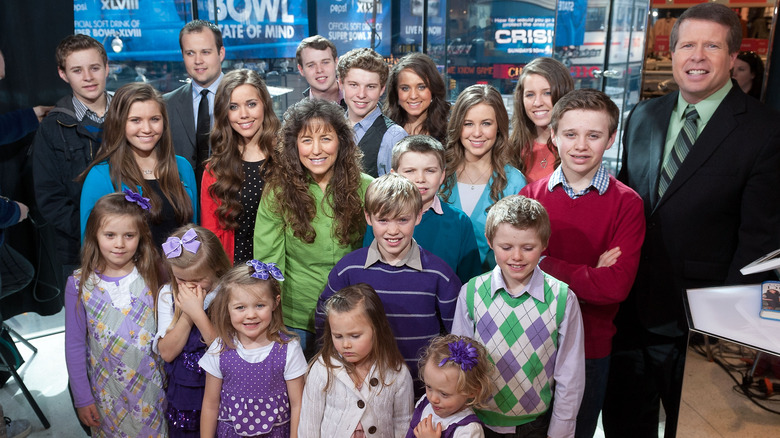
column 240, row 278
column 476, row 380
column 384, row 350
column 392, row 195
column 519, row 212
column 210, row 257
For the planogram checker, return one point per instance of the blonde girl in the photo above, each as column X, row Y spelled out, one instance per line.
column 109, row 323
column 542, row 82
column 195, row 261
column 358, row 384
column 476, row 173
column 312, row 212
column 137, row 153
column 254, row 368
column 244, row 134
column 456, row 372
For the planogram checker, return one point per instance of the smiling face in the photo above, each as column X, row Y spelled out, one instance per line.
column 393, row 235
column 537, row 100
column 701, row 62
column 362, row 90
column 352, row 335
column 318, row 148
column 144, row 127
column 424, row 170
column 194, row 276
column 86, row 74
column 479, row 131
column 202, row 59
column 319, row 69
column 413, row 95
column 117, row 239
column 250, row 312
column 245, row 112
column 582, row 137
column 441, row 389
column 517, row 254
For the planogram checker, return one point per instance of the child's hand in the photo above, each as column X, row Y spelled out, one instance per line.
column 190, row 298
column 609, row 258
column 89, row 415
column 425, row 428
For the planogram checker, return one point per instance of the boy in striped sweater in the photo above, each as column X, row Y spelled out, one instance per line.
column 417, row 289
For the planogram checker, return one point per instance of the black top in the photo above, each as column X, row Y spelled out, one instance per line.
column 167, row 223
column 251, row 191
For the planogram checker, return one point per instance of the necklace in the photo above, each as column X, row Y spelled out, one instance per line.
column 473, row 182
column 148, row 172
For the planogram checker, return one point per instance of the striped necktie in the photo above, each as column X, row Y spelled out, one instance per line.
column 682, row 146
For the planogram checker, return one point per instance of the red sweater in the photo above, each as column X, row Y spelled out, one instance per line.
column 208, row 215
column 582, row 230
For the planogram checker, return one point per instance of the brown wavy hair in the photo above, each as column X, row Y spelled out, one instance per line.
column 289, row 180
column 455, row 152
column 239, row 278
column 123, row 169
column 435, row 123
column 146, row 258
column 524, row 131
column 384, row 350
column 225, row 161
column 476, row 381
column 210, row 258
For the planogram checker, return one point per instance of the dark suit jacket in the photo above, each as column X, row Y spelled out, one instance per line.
column 720, row 212
column 182, row 120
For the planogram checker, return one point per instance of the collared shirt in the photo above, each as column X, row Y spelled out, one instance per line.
column 569, row 362
column 706, row 108
column 600, row 182
column 82, row 110
column 411, row 259
column 435, row 206
column 393, row 135
column 196, row 89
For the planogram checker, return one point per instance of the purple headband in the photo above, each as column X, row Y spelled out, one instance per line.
column 264, row 270
column 173, row 246
column 463, row 354
column 136, row 198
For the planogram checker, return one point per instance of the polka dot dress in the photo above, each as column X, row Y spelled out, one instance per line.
column 251, row 191
column 254, row 397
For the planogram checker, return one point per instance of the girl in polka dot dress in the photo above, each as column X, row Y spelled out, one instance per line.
column 243, row 137
column 254, row 368
column 358, row 385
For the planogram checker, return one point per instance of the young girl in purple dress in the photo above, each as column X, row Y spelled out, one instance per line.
column 109, row 323
column 255, row 368
column 456, row 373
column 195, row 260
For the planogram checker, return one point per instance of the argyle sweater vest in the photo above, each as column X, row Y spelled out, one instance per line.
column 521, row 337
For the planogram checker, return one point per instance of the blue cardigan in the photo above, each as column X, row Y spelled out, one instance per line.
column 98, row 184
column 515, row 182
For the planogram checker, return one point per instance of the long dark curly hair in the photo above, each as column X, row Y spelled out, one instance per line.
column 435, row 123
column 455, row 153
column 225, row 162
column 123, row 168
column 289, row 180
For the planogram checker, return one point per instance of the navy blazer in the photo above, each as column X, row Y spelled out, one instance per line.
column 720, row 212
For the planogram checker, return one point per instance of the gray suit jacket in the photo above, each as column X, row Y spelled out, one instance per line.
column 182, row 120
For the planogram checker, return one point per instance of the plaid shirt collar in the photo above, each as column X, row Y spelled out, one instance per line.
column 600, row 182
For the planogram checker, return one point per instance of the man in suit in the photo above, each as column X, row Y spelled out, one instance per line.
column 203, row 53
column 706, row 162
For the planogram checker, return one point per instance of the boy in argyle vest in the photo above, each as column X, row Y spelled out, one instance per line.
column 530, row 324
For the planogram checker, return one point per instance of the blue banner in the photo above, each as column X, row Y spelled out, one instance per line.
column 148, row 30
column 411, row 22
column 348, row 23
column 521, row 31
column 570, row 30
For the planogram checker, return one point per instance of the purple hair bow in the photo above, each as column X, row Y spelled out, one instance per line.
column 264, row 270
column 463, row 354
column 173, row 246
column 136, row 198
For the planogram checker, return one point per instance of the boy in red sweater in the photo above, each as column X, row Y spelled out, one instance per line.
column 598, row 226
